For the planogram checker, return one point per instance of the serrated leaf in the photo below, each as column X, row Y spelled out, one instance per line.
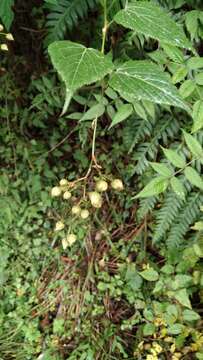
column 143, row 80
column 78, row 65
column 193, row 177
column 155, row 187
column 178, row 187
column 94, row 112
column 161, row 169
column 197, row 115
column 123, row 112
column 182, row 297
column 150, row 274
column 6, row 12
column 193, row 145
column 187, row 88
column 190, row 315
column 150, row 20
column 176, row 159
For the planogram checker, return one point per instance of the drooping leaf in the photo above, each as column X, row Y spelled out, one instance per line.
column 183, row 298
column 78, row 65
column 187, row 88
column 190, row 315
column 197, row 115
column 193, row 177
column 94, row 112
column 143, row 80
column 176, row 159
column 193, row 145
column 161, row 169
column 155, row 187
column 123, row 112
column 150, row 274
column 6, row 12
column 150, row 20
column 178, row 187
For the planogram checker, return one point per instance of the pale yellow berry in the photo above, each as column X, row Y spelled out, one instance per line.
column 55, row 191
column 63, row 182
column 1, row 27
column 71, row 239
column 157, row 348
column 76, row 210
column 59, row 226
column 95, row 199
column 101, row 186
column 64, row 243
column 67, row 195
column 84, row 214
column 9, row 37
column 4, row 47
column 117, row 184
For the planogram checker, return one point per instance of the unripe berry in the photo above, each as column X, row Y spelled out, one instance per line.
column 96, row 199
column 9, row 37
column 64, row 243
column 59, row 226
column 67, row 195
column 76, row 210
column 63, row 182
column 1, row 27
column 117, row 184
column 84, row 214
column 71, row 238
column 101, row 186
column 55, row 191
column 4, row 47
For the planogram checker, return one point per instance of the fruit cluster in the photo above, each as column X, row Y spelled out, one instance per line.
column 8, row 36
column 94, row 199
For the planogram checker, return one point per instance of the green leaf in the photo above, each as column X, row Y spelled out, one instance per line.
column 150, row 20
column 198, row 226
column 197, row 115
column 143, row 80
column 6, row 12
column 94, row 112
column 139, row 110
column 182, row 297
column 191, row 22
column 175, row 329
column 123, row 112
column 195, row 63
column 193, row 177
column 178, row 187
column 179, row 74
column 199, row 78
column 187, row 88
column 190, row 315
column 161, row 169
column 155, row 187
column 150, row 274
column 78, row 65
column 174, row 53
column 193, row 145
column 149, row 329
column 176, row 159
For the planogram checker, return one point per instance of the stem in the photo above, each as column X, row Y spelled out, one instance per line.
column 105, row 27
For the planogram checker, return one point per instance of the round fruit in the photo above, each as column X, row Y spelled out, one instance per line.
column 101, row 186
column 59, row 226
column 117, row 184
column 71, row 238
column 55, row 191
column 76, row 210
column 64, row 243
column 84, row 214
column 63, row 182
column 96, row 199
column 67, row 195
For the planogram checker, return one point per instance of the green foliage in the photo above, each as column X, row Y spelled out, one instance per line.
column 6, row 12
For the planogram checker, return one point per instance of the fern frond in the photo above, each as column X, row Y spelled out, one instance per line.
column 186, row 218
column 165, row 130
column 64, row 16
column 166, row 215
column 146, row 206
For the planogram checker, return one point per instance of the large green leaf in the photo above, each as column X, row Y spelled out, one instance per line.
column 150, row 20
column 6, row 12
column 78, row 65
column 143, row 80
column 155, row 187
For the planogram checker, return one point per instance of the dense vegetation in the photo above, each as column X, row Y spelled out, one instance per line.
column 101, row 189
